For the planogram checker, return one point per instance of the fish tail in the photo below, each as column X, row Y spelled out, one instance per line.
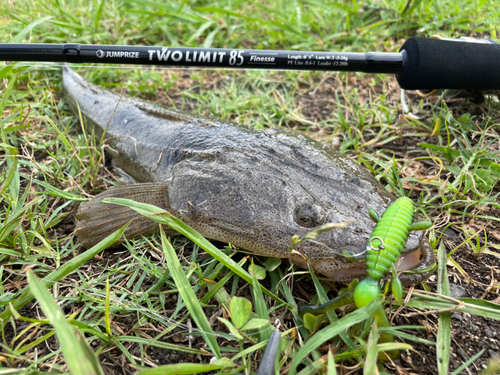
column 95, row 220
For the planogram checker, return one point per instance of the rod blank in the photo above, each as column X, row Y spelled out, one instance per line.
column 369, row 62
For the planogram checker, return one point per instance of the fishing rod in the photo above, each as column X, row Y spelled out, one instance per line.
column 421, row 63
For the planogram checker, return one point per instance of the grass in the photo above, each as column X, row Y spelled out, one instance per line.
column 134, row 312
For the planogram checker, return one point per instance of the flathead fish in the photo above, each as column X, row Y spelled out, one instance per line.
column 255, row 189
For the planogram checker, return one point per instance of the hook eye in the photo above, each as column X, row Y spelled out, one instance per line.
column 381, row 244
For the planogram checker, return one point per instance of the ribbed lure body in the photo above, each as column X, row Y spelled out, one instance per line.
column 389, row 237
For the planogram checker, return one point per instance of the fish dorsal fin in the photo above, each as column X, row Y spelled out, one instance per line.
column 165, row 113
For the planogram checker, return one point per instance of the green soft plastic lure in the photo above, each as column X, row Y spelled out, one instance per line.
column 385, row 245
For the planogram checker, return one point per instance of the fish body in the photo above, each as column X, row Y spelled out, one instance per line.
column 252, row 188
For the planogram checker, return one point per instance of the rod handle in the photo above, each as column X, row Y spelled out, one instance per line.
column 450, row 64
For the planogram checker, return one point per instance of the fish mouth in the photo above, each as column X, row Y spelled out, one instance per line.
column 405, row 263
column 418, row 259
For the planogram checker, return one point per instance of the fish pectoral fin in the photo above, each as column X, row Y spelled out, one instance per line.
column 299, row 258
column 95, row 220
column 195, row 209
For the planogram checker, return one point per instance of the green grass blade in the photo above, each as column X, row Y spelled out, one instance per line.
column 444, row 330
column 332, row 330
column 159, row 344
column 62, row 137
column 395, row 331
column 3, row 73
column 332, row 369
column 260, row 307
column 78, row 360
column 182, row 369
column 5, row 96
column 12, row 169
column 480, row 307
column 188, row 296
column 371, row 351
column 16, row 216
column 36, row 342
column 452, row 154
column 63, row 271
column 214, row 289
column 107, row 317
column 20, row 37
column 254, row 348
column 468, row 362
column 12, row 253
column 332, row 315
column 313, row 368
column 98, row 15
column 472, row 306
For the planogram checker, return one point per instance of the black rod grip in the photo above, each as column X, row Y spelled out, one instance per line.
column 442, row 64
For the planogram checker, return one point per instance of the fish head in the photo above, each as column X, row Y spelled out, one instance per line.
column 259, row 199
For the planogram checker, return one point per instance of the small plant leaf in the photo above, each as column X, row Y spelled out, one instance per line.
column 273, row 263
column 255, row 323
column 240, row 309
column 260, row 272
column 232, row 328
column 495, row 169
column 313, row 322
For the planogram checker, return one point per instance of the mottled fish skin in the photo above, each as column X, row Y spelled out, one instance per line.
column 252, row 188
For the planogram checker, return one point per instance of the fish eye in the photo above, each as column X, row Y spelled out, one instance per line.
column 309, row 215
